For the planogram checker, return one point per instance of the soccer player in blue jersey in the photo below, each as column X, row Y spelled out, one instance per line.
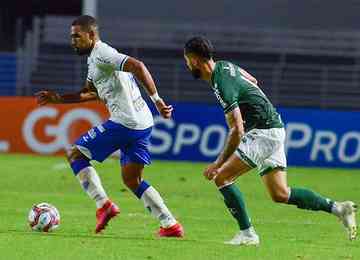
column 112, row 78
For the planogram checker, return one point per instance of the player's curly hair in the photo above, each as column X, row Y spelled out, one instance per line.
column 200, row 46
column 86, row 22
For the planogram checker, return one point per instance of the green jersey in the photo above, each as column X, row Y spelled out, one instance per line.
column 233, row 89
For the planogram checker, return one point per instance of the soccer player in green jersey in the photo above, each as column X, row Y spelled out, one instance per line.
column 256, row 139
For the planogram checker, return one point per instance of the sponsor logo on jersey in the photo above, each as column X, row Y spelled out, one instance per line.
column 218, row 96
column 231, row 68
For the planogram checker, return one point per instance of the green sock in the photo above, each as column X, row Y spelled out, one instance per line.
column 234, row 201
column 307, row 199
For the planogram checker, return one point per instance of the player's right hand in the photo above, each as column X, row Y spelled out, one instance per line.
column 47, row 97
column 211, row 171
column 164, row 110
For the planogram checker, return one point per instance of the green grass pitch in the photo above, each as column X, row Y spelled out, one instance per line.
column 285, row 231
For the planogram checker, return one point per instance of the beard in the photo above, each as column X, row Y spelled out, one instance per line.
column 81, row 52
column 196, row 73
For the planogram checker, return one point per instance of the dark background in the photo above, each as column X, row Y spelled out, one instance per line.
column 277, row 14
column 16, row 11
column 304, row 14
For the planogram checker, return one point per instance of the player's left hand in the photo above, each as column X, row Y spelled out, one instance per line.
column 164, row 110
column 211, row 171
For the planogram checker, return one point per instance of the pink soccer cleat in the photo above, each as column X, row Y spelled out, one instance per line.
column 175, row 230
column 104, row 214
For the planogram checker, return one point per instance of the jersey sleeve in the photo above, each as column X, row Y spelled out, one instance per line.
column 227, row 93
column 111, row 58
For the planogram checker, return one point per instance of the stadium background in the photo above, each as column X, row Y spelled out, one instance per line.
column 308, row 67
column 305, row 54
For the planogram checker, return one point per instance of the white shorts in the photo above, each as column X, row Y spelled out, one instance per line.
column 264, row 149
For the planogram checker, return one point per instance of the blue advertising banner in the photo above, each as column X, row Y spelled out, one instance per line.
column 314, row 137
column 322, row 138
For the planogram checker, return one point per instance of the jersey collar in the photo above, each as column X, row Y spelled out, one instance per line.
column 95, row 47
column 213, row 75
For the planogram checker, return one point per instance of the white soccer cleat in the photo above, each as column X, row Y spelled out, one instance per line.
column 347, row 210
column 243, row 239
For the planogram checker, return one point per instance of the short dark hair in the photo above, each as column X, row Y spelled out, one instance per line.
column 86, row 22
column 200, row 46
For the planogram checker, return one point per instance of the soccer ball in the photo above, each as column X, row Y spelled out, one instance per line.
column 44, row 217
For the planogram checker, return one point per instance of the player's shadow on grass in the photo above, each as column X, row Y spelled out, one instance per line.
column 92, row 236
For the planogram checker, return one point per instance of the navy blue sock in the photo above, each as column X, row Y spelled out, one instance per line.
column 141, row 189
column 78, row 165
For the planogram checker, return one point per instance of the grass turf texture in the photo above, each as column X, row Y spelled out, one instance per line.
column 285, row 231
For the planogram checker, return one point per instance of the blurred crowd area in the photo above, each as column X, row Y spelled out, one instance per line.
column 304, row 54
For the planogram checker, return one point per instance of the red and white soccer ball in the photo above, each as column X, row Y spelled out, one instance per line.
column 44, row 217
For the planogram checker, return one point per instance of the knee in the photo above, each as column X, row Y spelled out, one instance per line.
column 131, row 182
column 221, row 181
column 73, row 154
column 280, row 196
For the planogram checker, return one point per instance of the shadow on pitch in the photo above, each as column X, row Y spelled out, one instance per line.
column 91, row 236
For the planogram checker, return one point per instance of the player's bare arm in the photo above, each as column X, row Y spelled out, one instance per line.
column 248, row 76
column 235, row 123
column 140, row 71
column 88, row 93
